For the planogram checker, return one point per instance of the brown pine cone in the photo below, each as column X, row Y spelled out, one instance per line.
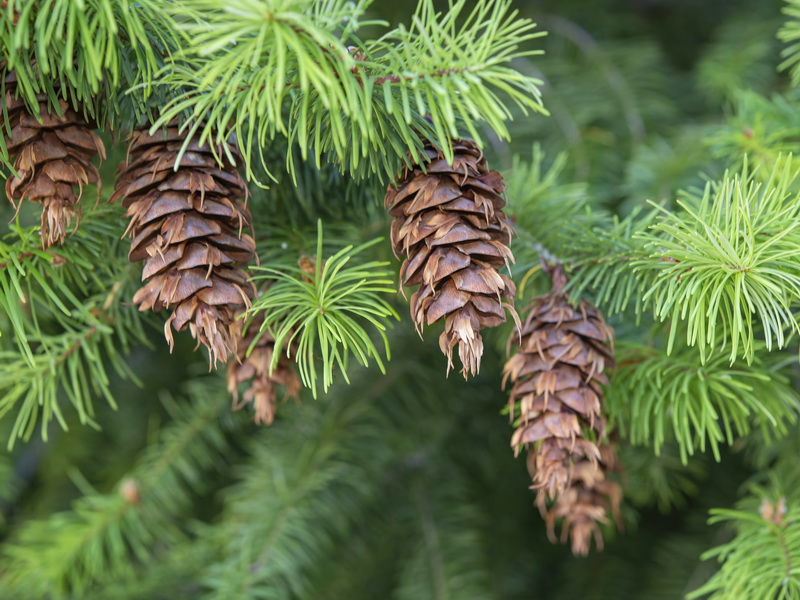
column 51, row 158
column 255, row 369
column 449, row 223
column 187, row 225
column 556, row 393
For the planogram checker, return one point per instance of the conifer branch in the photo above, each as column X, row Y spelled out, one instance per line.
column 663, row 479
column 71, row 327
column 447, row 561
column 761, row 560
column 554, row 221
column 74, row 550
column 724, row 266
column 87, row 53
column 604, row 260
column 728, row 262
column 314, row 98
column 541, row 205
column 761, row 130
column 790, row 34
column 299, row 71
column 56, row 284
column 10, row 486
column 320, row 314
column 657, row 396
column 313, row 477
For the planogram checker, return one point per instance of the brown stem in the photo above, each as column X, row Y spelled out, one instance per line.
column 23, row 256
column 379, row 80
column 778, row 532
column 76, row 345
column 398, row 78
column 386, row 78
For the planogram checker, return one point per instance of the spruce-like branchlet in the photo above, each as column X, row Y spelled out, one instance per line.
column 394, row 484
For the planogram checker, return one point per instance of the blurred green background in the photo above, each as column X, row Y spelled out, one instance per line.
column 404, row 486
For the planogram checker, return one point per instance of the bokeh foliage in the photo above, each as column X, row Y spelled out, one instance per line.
column 664, row 178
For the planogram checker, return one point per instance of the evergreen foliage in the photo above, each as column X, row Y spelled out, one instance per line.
column 771, row 538
column 104, row 534
column 89, row 53
column 69, row 325
column 320, row 310
column 668, row 396
column 649, row 148
column 299, row 70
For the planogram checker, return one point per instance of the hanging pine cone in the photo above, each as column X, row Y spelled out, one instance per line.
column 557, row 396
column 255, row 369
column 556, row 393
column 585, row 504
column 187, row 224
column 449, row 223
column 51, row 159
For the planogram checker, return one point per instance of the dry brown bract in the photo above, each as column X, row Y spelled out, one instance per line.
column 449, row 223
column 187, row 225
column 52, row 157
column 585, row 504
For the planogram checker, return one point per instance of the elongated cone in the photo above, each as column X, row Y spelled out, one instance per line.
column 556, row 393
column 52, row 157
column 586, row 503
column 557, row 374
column 254, row 369
column 187, row 225
column 450, row 226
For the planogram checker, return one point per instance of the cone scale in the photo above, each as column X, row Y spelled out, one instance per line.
column 586, row 503
column 254, row 371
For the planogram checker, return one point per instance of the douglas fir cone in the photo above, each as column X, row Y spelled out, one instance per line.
column 556, row 395
column 51, row 159
column 449, row 223
column 187, row 225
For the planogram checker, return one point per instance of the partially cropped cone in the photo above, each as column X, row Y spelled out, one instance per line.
column 587, row 503
column 52, row 157
column 253, row 371
column 450, row 226
column 187, row 224
column 556, row 397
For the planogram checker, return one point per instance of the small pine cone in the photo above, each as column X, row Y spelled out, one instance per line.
column 186, row 224
column 585, row 504
column 255, row 369
column 51, row 158
column 449, row 223
column 556, row 376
